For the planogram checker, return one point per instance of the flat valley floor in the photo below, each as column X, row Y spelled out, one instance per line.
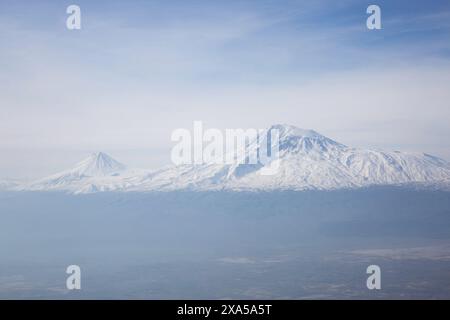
column 218, row 245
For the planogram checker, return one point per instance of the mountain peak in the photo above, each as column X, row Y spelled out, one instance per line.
column 307, row 160
column 290, row 130
column 99, row 156
column 98, row 164
column 295, row 139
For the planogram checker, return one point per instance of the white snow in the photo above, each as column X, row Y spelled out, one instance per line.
column 8, row 185
column 308, row 160
column 90, row 175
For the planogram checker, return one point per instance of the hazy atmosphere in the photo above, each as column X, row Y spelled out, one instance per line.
column 137, row 71
column 127, row 170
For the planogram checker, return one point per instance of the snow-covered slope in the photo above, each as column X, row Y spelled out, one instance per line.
column 307, row 160
column 92, row 174
column 8, row 185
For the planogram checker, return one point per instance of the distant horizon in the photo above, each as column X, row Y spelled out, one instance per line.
column 303, row 160
column 146, row 157
column 134, row 73
column 241, row 149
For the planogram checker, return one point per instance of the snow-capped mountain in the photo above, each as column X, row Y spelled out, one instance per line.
column 98, row 165
column 86, row 176
column 307, row 160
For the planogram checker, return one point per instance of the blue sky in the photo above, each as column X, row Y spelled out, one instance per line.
column 137, row 70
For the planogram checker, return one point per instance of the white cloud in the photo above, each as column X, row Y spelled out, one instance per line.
column 122, row 85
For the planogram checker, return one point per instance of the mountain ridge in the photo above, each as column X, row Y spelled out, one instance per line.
column 307, row 160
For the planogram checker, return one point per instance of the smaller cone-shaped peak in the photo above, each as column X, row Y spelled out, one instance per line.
column 99, row 164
